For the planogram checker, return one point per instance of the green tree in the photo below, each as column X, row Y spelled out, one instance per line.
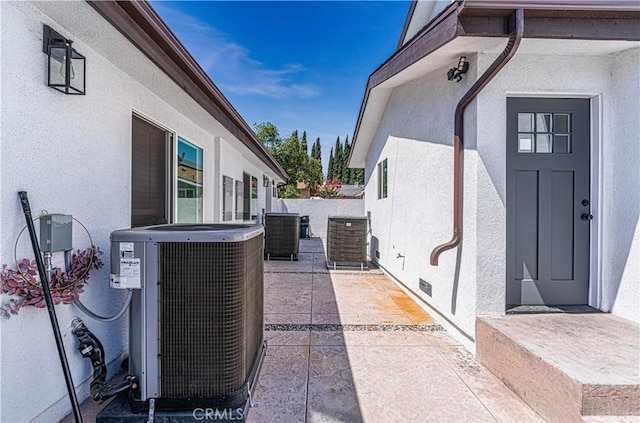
column 330, row 165
column 337, row 161
column 267, row 133
column 345, row 171
column 298, row 165
column 303, row 143
column 316, row 153
column 315, row 150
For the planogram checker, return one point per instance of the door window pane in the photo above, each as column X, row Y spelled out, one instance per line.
column 525, row 143
column 190, row 182
column 561, row 123
column 544, row 122
column 562, row 144
column 543, row 143
column 525, row 122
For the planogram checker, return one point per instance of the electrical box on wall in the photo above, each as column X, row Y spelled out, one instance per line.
column 56, row 233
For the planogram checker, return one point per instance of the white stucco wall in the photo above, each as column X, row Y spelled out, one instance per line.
column 72, row 154
column 319, row 210
column 416, row 134
column 621, row 188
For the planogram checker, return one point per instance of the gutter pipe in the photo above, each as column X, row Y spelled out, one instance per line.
column 458, row 141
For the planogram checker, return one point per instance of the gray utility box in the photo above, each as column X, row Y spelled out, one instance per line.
column 281, row 235
column 347, row 242
column 56, row 233
column 196, row 323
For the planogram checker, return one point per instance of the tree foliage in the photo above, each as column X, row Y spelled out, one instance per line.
column 267, row 133
column 303, row 166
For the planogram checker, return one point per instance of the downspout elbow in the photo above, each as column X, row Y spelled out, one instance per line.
column 458, row 156
column 455, row 240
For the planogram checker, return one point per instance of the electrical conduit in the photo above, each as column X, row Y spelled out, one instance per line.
column 458, row 141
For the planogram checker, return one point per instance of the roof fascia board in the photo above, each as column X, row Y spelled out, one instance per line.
column 556, row 28
column 610, row 5
column 430, row 40
column 584, row 29
column 141, row 25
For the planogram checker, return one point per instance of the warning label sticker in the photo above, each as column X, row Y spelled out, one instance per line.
column 126, row 250
column 130, row 274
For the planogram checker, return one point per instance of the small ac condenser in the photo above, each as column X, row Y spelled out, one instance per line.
column 347, row 242
column 196, row 325
column 281, row 235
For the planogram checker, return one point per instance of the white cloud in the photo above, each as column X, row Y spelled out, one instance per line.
column 230, row 65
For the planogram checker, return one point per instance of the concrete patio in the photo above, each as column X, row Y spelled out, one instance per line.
column 351, row 346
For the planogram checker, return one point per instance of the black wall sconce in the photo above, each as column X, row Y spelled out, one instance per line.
column 457, row 72
column 66, row 67
column 265, row 181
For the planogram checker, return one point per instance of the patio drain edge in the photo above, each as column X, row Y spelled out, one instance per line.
column 351, row 328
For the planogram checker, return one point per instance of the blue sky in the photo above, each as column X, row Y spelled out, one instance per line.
column 298, row 64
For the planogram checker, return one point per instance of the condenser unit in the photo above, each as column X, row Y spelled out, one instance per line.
column 196, row 324
column 347, row 242
column 281, row 235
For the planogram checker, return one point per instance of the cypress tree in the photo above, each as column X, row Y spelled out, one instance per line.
column 330, row 166
column 346, row 176
column 316, row 151
column 337, row 161
column 303, row 144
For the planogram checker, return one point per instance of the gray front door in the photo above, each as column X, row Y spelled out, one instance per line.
column 548, row 204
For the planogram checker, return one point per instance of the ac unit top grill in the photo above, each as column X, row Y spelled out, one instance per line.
column 188, row 232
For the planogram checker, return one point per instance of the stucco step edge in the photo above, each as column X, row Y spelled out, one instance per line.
column 595, row 400
column 548, row 391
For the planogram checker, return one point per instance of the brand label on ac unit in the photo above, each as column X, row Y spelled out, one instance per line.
column 130, row 274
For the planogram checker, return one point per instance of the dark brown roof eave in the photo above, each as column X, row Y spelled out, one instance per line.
column 141, row 25
column 458, row 20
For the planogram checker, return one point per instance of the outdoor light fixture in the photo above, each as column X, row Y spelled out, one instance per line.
column 457, row 72
column 265, row 181
column 66, row 67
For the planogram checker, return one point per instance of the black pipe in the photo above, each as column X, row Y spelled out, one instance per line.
column 44, row 281
column 90, row 347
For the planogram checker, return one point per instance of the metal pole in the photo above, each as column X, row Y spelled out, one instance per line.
column 44, row 279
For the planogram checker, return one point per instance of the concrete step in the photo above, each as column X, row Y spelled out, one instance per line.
column 567, row 367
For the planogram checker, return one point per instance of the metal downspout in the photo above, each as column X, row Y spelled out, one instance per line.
column 458, row 140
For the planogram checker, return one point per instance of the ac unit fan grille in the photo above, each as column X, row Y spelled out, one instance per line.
column 211, row 317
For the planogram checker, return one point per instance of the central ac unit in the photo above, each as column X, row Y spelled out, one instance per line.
column 196, row 326
column 281, row 235
column 347, row 242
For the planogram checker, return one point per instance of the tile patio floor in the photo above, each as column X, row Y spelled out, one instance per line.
column 354, row 359
column 346, row 346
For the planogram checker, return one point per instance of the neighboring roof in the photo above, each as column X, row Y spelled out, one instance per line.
column 351, row 190
column 141, row 25
column 475, row 19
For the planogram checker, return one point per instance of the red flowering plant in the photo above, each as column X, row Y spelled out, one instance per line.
column 65, row 286
column 330, row 189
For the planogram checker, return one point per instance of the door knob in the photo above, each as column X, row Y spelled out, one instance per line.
column 586, row 216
